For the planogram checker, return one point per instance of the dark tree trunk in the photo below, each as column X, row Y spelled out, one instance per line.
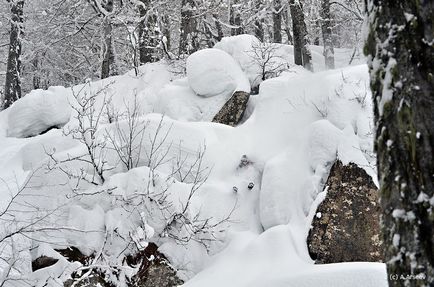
column 302, row 55
column 36, row 73
column 149, row 38
column 13, row 70
column 326, row 28
column 218, row 27
column 287, row 21
column 189, row 38
column 108, row 66
column 213, row 35
column 167, row 36
column 235, row 18
column 259, row 22
column 401, row 62
column 277, row 21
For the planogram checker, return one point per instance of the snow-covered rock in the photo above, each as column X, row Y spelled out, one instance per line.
column 240, row 48
column 37, row 112
column 213, row 72
column 323, row 140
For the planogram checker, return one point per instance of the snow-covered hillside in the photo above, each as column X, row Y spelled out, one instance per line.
column 112, row 165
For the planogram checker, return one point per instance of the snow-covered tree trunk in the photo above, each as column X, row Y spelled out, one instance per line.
column 277, row 21
column 400, row 53
column 108, row 66
column 235, row 17
column 326, row 28
column 259, row 22
column 12, row 90
column 302, row 54
column 287, row 21
column 147, row 33
column 218, row 27
column 189, row 38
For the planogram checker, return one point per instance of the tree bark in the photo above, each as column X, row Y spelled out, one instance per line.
column 108, row 66
column 400, row 54
column 235, row 18
column 302, row 55
column 13, row 71
column 287, row 21
column 277, row 21
column 189, row 38
column 149, row 38
column 259, row 22
column 326, row 28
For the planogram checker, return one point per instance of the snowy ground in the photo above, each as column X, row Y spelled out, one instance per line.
column 265, row 176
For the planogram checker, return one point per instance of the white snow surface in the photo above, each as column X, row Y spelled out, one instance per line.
column 268, row 173
column 36, row 112
column 213, row 72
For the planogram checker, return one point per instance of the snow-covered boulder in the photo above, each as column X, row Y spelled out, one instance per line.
column 213, row 72
column 36, row 112
column 240, row 47
column 323, row 141
column 287, row 189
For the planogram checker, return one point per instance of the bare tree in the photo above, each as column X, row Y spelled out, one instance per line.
column 148, row 33
column 89, row 118
column 302, row 54
column 235, row 17
column 326, row 28
column 265, row 56
column 12, row 91
column 277, row 21
column 189, row 38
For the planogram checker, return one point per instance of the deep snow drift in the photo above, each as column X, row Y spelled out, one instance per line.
column 255, row 186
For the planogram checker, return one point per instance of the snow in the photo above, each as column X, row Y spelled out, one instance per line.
column 277, row 160
column 212, row 72
column 270, row 260
column 37, row 112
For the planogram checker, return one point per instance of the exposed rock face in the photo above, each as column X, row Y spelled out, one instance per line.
column 42, row 262
column 154, row 270
column 233, row 110
column 347, row 223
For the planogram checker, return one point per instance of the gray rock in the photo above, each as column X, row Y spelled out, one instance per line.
column 347, row 223
column 154, row 270
column 233, row 110
column 42, row 262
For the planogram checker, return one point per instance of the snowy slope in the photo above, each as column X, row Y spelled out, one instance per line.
column 267, row 173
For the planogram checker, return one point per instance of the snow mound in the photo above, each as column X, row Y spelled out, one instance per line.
column 322, row 143
column 37, row 112
column 213, row 72
column 270, row 259
column 240, row 48
column 178, row 101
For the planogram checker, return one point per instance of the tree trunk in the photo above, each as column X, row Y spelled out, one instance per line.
column 149, row 38
column 13, row 70
column 259, row 22
column 235, row 18
column 326, row 28
column 401, row 62
column 108, row 67
column 277, row 21
column 189, row 38
column 302, row 55
column 218, row 27
column 287, row 21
